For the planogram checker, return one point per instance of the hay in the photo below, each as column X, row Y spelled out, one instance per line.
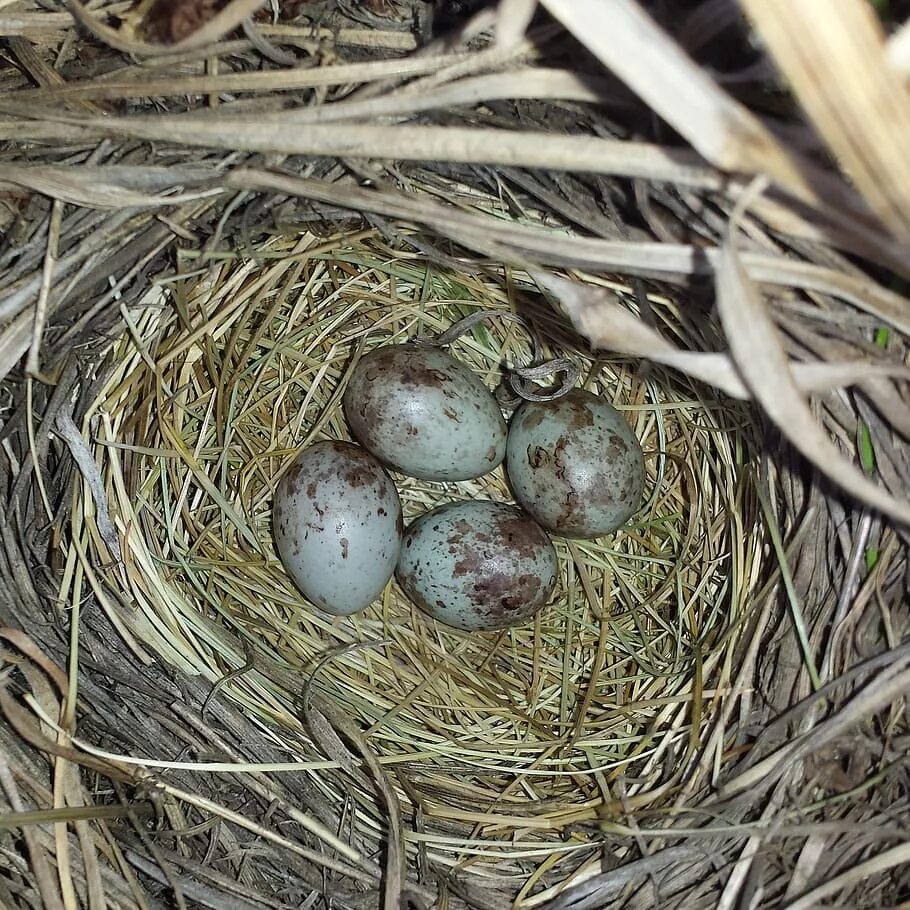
column 210, row 400
column 710, row 713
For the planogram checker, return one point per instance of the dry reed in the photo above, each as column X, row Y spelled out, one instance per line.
column 201, row 237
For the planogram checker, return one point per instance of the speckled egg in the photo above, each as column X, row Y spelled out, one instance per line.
column 423, row 413
column 575, row 464
column 477, row 565
column 338, row 526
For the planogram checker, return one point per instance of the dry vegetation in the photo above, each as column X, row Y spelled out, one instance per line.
column 210, row 210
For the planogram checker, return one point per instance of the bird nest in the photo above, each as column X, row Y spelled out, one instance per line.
column 214, row 394
column 201, row 244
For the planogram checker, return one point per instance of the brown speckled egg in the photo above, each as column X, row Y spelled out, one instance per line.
column 420, row 411
column 477, row 565
column 575, row 465
column 338, row 526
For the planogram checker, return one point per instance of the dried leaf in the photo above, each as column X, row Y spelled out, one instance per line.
column 113, row 186
column 512, row 20
column 722, row 130
column 258, row 81
column 519, row 242
column 517, row 148
column 858, row 102
column 83, row 457
column 610, row 326
column 759, row 355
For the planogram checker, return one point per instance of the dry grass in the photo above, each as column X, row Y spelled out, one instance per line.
column 217, row 386
column 201, row 237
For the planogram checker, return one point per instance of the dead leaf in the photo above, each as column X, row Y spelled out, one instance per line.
column 610, row 326
column 759, row 356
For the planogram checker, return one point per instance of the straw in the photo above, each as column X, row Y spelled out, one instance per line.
column 205, row 227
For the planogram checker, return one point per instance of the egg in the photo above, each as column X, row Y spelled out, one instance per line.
column 338, row 526
column 423, row 413
column 575, row 465
column 477, row 565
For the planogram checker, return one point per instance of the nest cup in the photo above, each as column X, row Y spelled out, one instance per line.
column 503, row 742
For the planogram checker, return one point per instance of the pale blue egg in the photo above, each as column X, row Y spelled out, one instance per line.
column 338, row 526
column 420, row 411
column 575, row 465
column 477, row 565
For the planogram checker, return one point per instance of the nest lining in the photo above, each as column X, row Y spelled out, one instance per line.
column 520, row 734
